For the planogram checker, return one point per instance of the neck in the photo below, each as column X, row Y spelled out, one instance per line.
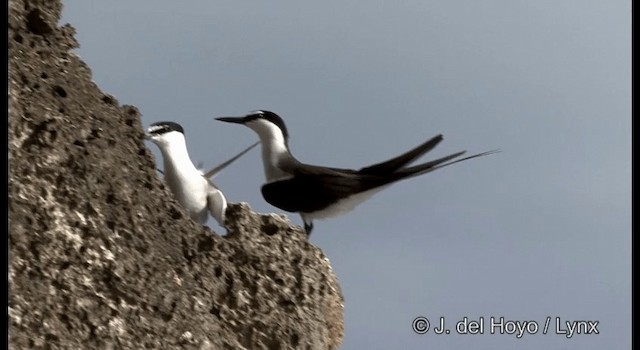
column 176, row 158
column 274, row 148
column 274, row 151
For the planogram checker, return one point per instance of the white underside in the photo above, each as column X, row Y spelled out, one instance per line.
column 342, row 206
column 198, row 197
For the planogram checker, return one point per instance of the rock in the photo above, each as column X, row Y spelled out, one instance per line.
column 101, row 256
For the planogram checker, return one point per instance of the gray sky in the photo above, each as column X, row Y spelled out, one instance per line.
column 541, row 229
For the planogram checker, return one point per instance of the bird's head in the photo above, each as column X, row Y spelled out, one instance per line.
column 164, row 134
column 268, row 125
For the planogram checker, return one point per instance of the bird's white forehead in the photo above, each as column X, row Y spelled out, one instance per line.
column 155, row 128
column 257, row 111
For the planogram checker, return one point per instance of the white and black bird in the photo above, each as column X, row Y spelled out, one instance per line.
column 318, row 192
column 192, row 188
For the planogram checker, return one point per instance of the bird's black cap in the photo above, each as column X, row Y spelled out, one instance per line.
column 160, row 128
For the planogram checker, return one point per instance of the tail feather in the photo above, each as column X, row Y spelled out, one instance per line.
column 402, row 160
column 218, row 168
column 439, row 163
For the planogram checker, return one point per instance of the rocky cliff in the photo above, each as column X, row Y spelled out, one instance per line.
column 101, row 256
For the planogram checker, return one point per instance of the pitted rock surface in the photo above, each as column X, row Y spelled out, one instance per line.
column 102, row 257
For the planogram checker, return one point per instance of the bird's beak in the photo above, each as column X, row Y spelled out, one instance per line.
column 236, row 120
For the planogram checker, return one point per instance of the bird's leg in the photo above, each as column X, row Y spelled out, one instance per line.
column 308, row 226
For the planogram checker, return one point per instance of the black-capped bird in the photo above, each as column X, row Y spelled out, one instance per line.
column 318, row 192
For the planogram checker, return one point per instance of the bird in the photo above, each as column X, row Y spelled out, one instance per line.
column 192, row 188
column 318, row 192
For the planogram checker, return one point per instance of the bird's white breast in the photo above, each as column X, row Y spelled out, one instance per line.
column 185, row 181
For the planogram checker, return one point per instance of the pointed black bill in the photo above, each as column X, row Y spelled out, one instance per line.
column 236, row 120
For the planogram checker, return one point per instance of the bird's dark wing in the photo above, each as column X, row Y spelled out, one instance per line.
column 218, row 168
column 315, row 188
column 391, row 165
column 402, row 160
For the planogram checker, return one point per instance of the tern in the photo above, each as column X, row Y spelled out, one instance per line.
column 192, row 188
column 318, row 192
